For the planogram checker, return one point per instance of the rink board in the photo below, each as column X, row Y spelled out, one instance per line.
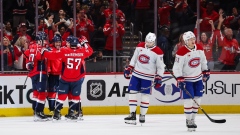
column 107, row 94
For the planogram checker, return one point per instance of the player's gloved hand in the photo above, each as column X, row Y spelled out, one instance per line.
column 128, row 71
column 206, row 75
column 157, row 81
column 83, row 42
column 29, row 66
column 181, row 83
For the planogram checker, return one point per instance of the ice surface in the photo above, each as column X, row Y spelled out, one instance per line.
column 160, row 124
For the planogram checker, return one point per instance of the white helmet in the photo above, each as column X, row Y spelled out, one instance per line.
column 188, row 35
column 150, row 40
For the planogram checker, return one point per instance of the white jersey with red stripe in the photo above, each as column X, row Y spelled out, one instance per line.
column 147, row 62
column 189, row 63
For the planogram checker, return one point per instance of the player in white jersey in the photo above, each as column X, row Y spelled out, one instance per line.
column 146, row 65
column 190, row 68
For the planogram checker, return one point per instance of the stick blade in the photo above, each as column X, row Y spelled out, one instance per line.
column 218, row 121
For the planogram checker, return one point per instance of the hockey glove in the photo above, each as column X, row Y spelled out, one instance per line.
column 127, row 72
column 206, row 75
column 181, row 83
column 157, row 81
column 29, row 66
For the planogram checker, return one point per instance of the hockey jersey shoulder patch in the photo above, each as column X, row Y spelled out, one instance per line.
column 141, row 45
column 157, row 50
column 182, row 51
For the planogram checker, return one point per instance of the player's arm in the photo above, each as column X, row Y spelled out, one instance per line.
column 178, row 65
column 160, row 65
column 134, row 57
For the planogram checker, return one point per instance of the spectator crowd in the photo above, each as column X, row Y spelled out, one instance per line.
column 219, row 25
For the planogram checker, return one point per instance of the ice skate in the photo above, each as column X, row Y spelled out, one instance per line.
column 194, row 125
column 40, row 116
column 141, row 118
column 71, row 118
column 56, row 116
column 190, row 125
column 79, row 115
column 50, row 114
column 131, row 119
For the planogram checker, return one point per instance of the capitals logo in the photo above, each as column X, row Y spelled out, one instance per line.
column 168, row 92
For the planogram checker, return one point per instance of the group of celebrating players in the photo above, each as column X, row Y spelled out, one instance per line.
column 57, row 72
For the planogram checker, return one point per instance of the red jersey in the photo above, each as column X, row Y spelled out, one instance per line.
column 33, row 54
column 229, row 48
column 108, row 13
column 83, row 28
column 108, row 31
column 204, row 25
column 164, row 15
column 54, row 66
column 72, row 62
column 208, row 46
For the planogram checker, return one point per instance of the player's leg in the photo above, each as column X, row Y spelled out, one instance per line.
column 62, row 96
column 198, row 92
column 53, row 82
column 144, row 99
column 75, row 94
column 35, row 93
column 79, row 112
column 134, row 86
column 188, row 105
column 40, row 104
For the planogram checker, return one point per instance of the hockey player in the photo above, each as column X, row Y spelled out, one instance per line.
column 146, row 65
column 71, row 77
column 54, row 71
column 36, row 65
column 190, row 69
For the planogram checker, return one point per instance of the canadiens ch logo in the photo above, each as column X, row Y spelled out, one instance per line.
column 144, row 59
column 194, row 62
column 169, row 92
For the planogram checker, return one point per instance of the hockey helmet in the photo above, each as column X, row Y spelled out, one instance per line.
column 57, row 38
column 74, row 42
column 150, row 39
column 188, row 35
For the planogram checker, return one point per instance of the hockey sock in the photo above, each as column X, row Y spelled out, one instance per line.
column 51, row 100
column 132, row 102
column 195, row 107
column 40, row 101
column 188, row 104
column 144, row 104
column 79, row 107
column 34, row 99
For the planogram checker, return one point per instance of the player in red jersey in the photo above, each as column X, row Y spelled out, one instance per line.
column 54, row 71
column 72, row 75
column 36, row 65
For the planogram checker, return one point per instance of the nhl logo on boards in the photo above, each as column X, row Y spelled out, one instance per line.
column 96, row 90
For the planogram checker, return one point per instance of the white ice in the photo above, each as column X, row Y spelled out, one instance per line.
column 160, row 124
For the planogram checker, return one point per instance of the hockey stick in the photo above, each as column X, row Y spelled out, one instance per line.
column 143, row 89
column 212, row 120
column 25, row 81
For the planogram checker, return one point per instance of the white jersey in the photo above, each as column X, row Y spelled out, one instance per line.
column 190, row 63
column 147, row 62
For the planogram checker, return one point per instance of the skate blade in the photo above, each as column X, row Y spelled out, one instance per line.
column 40, row 120
column 132, row 122
column 71, row 120
column 80, row 119
column 191, row 129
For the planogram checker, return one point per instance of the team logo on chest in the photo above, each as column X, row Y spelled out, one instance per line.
column 194, row 62
column 144, row 59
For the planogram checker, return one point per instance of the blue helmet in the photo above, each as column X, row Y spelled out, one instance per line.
column 74, row 42
column 57, row 38
column 69, row 38
column 41, row 36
